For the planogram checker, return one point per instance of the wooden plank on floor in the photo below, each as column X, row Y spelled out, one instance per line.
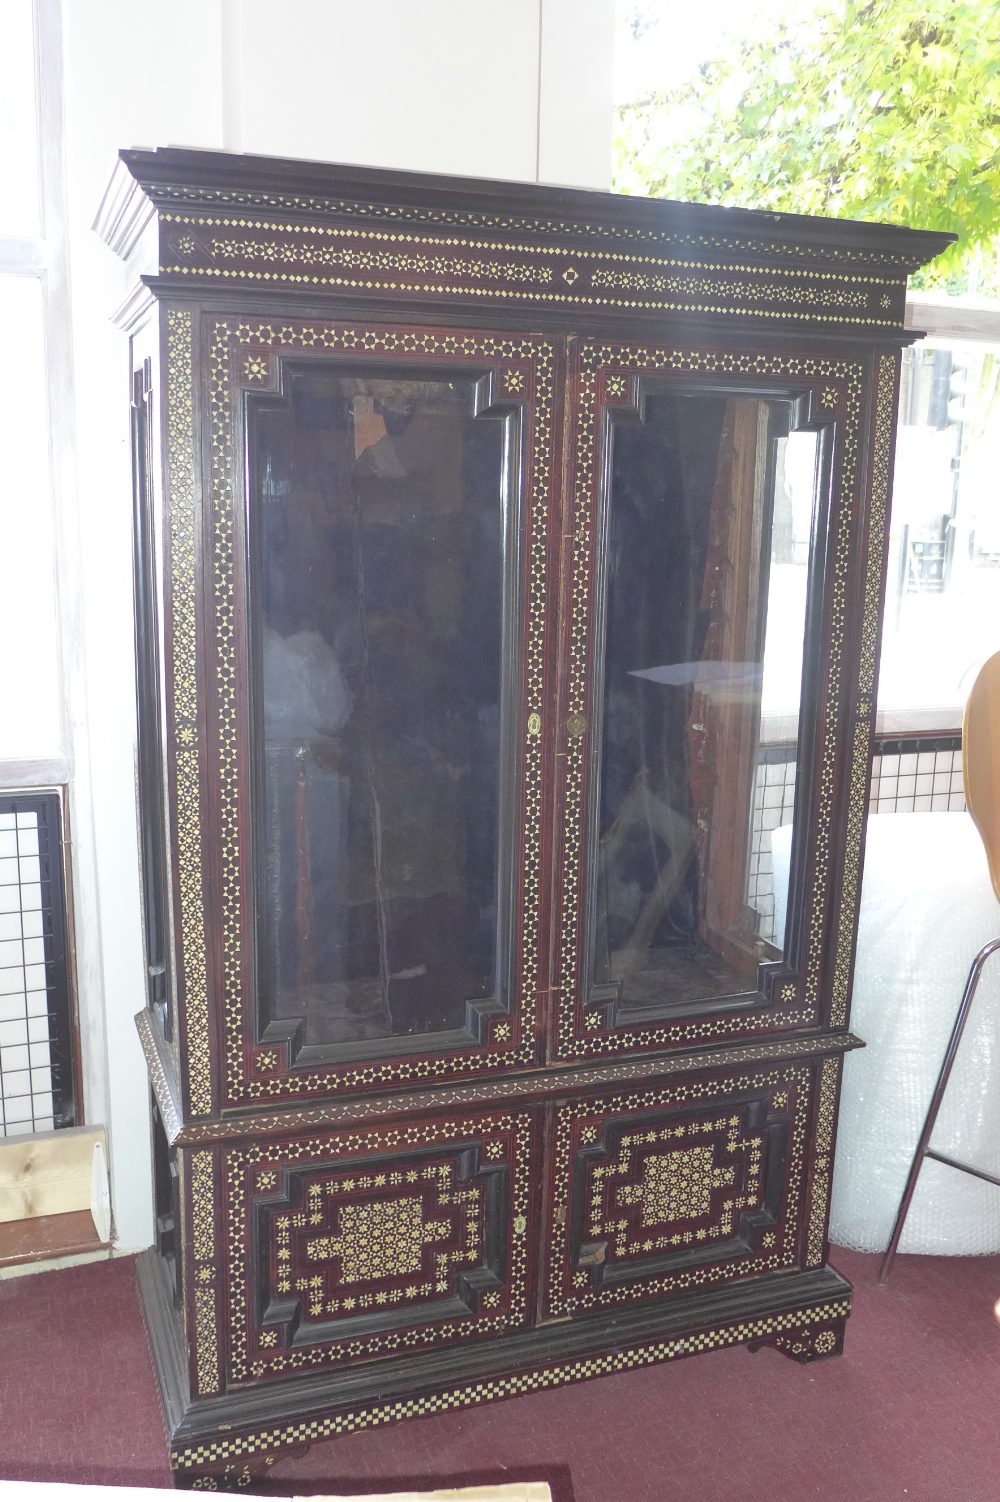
column 47, row 1173
column 46, row 1236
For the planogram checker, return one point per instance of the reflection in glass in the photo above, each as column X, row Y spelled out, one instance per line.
column 378, row 507
column 709, row 514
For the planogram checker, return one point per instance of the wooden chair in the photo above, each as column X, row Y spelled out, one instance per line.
column 981, row 776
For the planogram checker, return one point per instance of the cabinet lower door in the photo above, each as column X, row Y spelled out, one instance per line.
column 713, row 647
column 674, row 1190
column 353, row 1246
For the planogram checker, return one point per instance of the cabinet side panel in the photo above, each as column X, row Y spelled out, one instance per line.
column 149, row 608
column 184, row 730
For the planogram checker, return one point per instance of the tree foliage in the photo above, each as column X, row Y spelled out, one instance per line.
column 867, row 109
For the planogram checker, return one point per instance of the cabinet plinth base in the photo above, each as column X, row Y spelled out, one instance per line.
column 808, row 1343
column 236, row 1476
column 226, row 1441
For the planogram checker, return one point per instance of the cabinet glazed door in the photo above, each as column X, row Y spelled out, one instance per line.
column 378, row 616
column 720, row 630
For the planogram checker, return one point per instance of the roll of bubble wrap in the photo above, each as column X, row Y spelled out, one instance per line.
column 927, row 907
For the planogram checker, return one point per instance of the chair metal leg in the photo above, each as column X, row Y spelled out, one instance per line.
column 971, row 986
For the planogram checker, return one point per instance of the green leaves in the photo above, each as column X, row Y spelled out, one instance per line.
column 887, row 109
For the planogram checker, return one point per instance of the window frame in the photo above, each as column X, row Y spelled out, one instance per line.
column 953, row 320
column 44, row 257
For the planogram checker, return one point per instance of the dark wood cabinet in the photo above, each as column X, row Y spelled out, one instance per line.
column 509, row 565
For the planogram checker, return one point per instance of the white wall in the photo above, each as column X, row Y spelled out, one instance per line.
column 521, row 91
column 441, row 87
column 128, row 79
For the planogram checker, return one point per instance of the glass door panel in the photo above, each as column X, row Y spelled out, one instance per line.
column 379, row 553
column 709, row 507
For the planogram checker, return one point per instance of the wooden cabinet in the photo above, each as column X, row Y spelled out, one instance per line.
column 508, row 566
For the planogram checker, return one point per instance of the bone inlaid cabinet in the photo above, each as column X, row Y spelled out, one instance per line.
column 508, row 566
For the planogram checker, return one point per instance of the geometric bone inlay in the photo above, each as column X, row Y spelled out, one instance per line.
column 377, row 1240
column 679, row 1185
column 319, row 1231
column 369, row 1241
column 660, row 1191
column 666, row 1190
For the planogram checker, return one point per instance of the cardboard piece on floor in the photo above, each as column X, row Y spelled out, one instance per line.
column 60, row 1491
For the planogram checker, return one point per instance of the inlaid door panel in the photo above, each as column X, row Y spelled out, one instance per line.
column 720, row 499
column 377, row 1242
column 681, row 1188
column 377, row 551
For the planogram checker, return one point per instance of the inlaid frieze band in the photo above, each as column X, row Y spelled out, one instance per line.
column 394, row 262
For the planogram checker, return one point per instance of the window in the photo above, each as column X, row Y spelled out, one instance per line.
column 38, row 1045
column 942, row 616
column 34, row 317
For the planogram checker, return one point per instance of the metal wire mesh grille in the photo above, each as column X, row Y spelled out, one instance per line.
column 909, row 775
column 36, row 1026
column 918, row 775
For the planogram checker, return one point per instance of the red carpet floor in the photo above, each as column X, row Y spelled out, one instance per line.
column 910, row 1411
